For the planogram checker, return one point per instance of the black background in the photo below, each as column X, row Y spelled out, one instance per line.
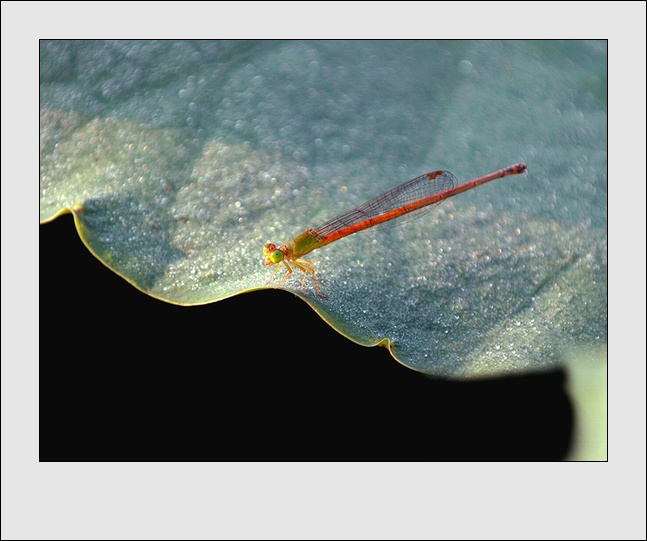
column 255, row 377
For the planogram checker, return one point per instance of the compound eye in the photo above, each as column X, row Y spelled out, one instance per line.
column 272, row 254
column 276, row 256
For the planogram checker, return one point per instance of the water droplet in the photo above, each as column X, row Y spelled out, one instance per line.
column 465, row 67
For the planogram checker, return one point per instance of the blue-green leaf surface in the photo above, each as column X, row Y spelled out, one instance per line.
column 180, row 160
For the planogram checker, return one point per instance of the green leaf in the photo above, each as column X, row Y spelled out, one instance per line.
column 180, row 160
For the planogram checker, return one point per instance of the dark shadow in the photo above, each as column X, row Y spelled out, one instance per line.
column 124, row 377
